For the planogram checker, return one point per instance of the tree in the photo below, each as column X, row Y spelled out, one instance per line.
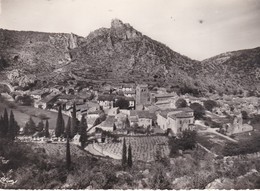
column 186, row 141
column 114, row 127
column 244, row 115
column 46, row 129
column 11, row 129
column 30, row 127
column 124, row 157
column 122, row 103
column 68, row 157
column 199, row 110
column 129, row 158
column 5, row 123
column 68, row 128
column 127, row 123
column 59, row 130
column 82, row 131
column 210, row 104
column 181, row 103
column 40, row 126
column 74, row 128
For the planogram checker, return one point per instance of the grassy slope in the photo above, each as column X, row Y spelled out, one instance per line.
column 22, row 114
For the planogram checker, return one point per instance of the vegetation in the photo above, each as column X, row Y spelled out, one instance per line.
column 74, row 125
column 30, row 127
column 199, row 110
column 181, row 103
column 25, row 100
column 124, row 156
column 186, row 141
column 129, row 158
column 210, row 104
column 8, row 126
column 59, row 130
column 83, row 131
column 122, row 103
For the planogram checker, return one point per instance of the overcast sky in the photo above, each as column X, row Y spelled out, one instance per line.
column 195, row 28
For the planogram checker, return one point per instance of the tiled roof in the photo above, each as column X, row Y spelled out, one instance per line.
column 109, row 122
column 164, row 95
column 164, row 113
column 129, row 92
column 142, row 114
column 105, row 98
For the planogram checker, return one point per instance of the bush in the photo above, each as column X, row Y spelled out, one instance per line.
column 210, row 104
column 199, row 110
column 181, row 103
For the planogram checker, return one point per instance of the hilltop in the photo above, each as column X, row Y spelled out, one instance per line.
column 120, row 54
column 233, row 71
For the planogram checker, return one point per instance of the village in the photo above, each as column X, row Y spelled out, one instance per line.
column 145, row 116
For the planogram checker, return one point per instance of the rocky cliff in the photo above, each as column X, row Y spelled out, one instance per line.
column 122, row 54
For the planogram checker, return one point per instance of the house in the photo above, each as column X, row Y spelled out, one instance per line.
column 236, row 127
column 129, row 93
column 113, row 111
column 108, row 124
column 142, row 118
column 106, row 101
column 131, row 101
column 128, row 87
column 46, row 102
column 176, row 120
column 163, row 97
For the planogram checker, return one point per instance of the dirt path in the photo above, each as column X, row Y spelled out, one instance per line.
column 211, row 130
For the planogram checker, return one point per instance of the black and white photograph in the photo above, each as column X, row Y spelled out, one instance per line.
column 130, row 94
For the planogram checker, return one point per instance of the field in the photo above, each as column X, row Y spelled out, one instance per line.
column 213, row 142
column 143, row 148
column 23, row 113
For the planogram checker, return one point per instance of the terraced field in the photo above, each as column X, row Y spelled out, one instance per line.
column 143, row 148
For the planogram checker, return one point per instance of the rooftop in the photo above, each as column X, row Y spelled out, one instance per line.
column 109, row 122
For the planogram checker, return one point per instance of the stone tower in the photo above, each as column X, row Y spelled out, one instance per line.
column 142, row 94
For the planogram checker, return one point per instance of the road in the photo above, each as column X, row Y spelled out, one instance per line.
column 213, row 130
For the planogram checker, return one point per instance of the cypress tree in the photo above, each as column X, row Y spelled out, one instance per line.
column 30, row 127
column 74, row 129
column 68, row 128
column 11, row 129
column 59, row 124
column 127, row 123
column 5, row 123
column 130, row 159
column 82, row 131
column 68, row 158
column 46, row 130
column 1, row 125
column 124, row 157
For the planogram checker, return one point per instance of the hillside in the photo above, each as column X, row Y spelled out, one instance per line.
column 120, row 54
column 233, row 71
column 123, row 53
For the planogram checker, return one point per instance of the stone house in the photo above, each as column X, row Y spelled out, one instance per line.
column 176, row 120
column 142, row 118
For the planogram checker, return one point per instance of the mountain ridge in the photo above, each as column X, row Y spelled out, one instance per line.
column 121, row 54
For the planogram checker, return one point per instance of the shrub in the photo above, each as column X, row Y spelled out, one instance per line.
column 181, row 103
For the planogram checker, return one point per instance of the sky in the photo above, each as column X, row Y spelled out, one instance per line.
column 198, row 29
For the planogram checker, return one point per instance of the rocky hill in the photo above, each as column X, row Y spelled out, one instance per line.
column 121, row 54
column 233, row 71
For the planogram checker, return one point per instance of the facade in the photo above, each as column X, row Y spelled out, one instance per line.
column 106, row 101
column 142, row 94
column 142, row 118
column 177, row 120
